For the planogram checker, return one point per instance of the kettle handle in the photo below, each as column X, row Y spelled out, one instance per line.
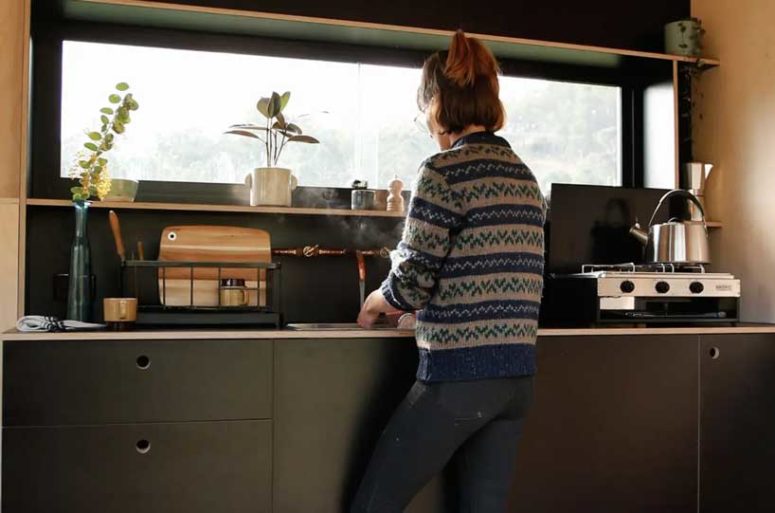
column 679, row 192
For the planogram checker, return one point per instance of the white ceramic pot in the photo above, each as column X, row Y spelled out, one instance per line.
column 271, row 186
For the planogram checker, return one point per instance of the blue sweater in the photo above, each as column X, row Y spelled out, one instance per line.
column 471, row 261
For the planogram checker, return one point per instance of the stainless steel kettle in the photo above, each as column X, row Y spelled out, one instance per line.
column 675, row 242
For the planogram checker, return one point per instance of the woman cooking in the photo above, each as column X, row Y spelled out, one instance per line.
column 470, row 264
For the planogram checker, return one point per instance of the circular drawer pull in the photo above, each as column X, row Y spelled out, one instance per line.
column 143, row 446
column 714, row 353
column 143, row 362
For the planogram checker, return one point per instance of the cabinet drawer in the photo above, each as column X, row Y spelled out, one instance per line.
column 195, row 467
column 64, row 382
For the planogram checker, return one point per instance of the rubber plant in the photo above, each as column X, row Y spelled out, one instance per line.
column 91, row 167
column 276, row 131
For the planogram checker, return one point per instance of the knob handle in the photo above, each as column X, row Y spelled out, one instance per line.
column 627, row 286
column 143, row 362
column 143, row 446
column 662, row 287
column 696, row 287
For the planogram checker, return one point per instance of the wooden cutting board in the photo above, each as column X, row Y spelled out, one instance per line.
column 201, row 243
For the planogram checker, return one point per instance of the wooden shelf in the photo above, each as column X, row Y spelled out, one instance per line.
column 193, row 207
column 235, row 21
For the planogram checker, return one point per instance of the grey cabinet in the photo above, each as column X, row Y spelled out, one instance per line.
column 333, row 398
column 94, row 382
column 125, row 426
column 613, row 428
column 737, row 436
column 205, row 467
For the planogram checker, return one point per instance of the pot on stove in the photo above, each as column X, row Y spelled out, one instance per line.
column 675, row 242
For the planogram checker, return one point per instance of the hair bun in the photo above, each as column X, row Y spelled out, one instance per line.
column 468, row 59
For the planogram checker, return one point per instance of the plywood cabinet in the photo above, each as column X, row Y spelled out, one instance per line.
column 13, row 35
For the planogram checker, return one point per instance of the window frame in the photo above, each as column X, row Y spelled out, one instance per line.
column 46, row 88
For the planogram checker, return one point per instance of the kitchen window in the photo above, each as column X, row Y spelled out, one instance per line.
column 363, row 114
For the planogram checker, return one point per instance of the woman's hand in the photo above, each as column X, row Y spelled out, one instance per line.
column 374, row 305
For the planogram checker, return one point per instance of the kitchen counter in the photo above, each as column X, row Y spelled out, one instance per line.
column 235, row 334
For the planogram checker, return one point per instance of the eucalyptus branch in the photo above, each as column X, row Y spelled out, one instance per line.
column 91, row 168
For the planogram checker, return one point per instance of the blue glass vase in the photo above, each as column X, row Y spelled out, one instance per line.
column 79, row 300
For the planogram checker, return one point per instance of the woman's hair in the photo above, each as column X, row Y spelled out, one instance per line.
column 460, row 86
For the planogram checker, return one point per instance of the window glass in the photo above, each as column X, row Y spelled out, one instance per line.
column 363, row 115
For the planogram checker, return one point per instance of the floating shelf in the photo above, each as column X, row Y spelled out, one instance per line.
column 194, row 207
column 247, row 22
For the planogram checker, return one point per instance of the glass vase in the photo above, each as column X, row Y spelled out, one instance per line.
column 79, row 300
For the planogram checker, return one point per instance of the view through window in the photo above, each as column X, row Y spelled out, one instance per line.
column 362, row 114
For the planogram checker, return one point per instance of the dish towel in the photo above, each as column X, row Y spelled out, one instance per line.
column 50, row 323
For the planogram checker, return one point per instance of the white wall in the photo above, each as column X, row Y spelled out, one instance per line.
column 738, row 135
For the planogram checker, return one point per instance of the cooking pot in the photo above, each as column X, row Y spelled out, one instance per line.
column 675, row 242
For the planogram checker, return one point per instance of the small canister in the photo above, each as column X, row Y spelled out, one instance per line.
column 380, row 199
column 233, row 292
column 361, row 198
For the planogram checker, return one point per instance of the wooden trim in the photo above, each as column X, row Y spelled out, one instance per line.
column 190, row 207
column 24, row 162
column 398, row 28
column 677, row 124
column 13, row 335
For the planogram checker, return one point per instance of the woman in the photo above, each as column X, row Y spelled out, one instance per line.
column 471, row 264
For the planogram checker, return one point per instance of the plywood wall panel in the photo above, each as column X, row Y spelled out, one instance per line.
column 12, row 14
column 737, row 134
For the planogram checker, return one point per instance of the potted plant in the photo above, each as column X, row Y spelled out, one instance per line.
column 272, row 185
column 684, row 37
column 91, row 170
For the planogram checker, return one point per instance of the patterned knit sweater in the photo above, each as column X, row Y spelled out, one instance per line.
column 471, row 261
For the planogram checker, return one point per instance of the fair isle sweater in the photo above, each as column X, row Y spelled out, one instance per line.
column 471, row 262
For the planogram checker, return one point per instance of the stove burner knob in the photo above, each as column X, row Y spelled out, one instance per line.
column 662, row 287
column 696, row 287
column 627, row 286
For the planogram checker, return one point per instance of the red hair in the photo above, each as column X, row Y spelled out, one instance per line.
column 461, row 86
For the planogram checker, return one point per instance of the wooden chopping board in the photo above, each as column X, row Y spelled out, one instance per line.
column 201, row 243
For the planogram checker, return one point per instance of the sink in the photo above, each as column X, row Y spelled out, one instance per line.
column 338, row 326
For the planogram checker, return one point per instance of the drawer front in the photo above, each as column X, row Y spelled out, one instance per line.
column 205, row 467
column 64, row 382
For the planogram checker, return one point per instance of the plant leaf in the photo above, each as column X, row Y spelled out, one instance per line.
column 106, row 110
column 94, row 136
column 243, row 133
column 122, row 86
column 274, row 105
column 102, row 161
column 263, row 107
column 248, row 126
column 91, row 146
column 284, row 100
column 280, row 125
column 84, row 164
column 293, row 128
column 104, row 119
column 114, row 98
column 304, row 138
column 118, row 127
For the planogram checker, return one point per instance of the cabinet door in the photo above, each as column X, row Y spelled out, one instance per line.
column 737, row 435
column 613, row 428
column 95, row 382
column 333, row 398
column 206, row 467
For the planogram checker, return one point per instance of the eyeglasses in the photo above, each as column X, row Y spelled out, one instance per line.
column 421, row 123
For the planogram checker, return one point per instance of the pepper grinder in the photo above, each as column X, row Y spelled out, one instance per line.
column 395, row 201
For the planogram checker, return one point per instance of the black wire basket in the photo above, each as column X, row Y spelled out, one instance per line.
column 191, row 293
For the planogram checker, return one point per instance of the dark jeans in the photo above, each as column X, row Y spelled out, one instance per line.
column 477, row 422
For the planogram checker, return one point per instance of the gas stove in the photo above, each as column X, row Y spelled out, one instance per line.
column 643, row 294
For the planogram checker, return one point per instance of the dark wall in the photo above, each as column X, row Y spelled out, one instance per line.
column 613, row 23
column 319, row 289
